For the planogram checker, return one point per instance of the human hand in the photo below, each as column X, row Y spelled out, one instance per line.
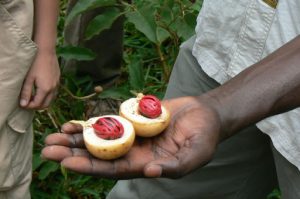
column 188, row 143
column 41, row 82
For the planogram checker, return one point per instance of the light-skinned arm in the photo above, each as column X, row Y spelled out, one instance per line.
column 43, row 77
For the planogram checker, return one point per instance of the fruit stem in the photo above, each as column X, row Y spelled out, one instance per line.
column 98, row 89
column 84, row 124
column 138, row 95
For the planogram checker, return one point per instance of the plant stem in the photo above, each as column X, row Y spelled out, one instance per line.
column 166, row 72
column 52, row 119
column 77, row 97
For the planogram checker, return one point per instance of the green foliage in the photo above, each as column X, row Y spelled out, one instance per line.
column 275, row 194
column 153, row 31
column 75, row 52
column 159, row 26
column 102, row 22
column 151, row 42
column 136, row 72
column 121, row 92
column 142, row 18
column 86, row 5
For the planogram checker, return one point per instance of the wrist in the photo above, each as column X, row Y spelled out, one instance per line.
column 46, row 43
column 220, row 111
column 46, row 50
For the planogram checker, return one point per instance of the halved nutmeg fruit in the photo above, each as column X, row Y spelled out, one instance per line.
column 146, row 113
column 107, row 137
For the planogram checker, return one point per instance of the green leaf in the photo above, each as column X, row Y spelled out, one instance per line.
column 275, row 194
column 185, row 27
column 102, row 22
column 36, row 161
column 136, row 73
column 48, row 168
column 160, row 95
column 146, row 18
column 165, row 14
column 85, row 5
column 74, row 52
column 162, row 34
column 197, row 6
column 169, row 3
column 119, row 93
column 64, row 172
column 144, row 21
column 91, row 192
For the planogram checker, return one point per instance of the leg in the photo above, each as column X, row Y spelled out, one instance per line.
column 243, row 165
column 16, row 24
column 288, row 177
column 21, row 165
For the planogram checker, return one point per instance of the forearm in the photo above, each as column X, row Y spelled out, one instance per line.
column 45, row 31
column 267, row 88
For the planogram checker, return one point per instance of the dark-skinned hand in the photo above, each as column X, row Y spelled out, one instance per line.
column 187, row 144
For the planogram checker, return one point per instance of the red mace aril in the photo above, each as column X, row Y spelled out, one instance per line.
column 108, row 128
column 150, row 106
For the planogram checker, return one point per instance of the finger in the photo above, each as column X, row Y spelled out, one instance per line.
column 59, row 153
column 38, row 99
column 171, row 167
column 71, row 128
column 69, row 140
column 81, row 165
column 26, row 92
column 47, row 101
column 51, row 96
column 187, row 159
column 163, row 167
column 116, row 169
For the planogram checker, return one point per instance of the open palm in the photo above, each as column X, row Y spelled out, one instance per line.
column 188, row 143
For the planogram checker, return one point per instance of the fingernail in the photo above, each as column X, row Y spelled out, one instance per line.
column 23, row 102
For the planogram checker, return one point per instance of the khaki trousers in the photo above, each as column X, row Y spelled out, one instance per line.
column 17, row 52
column 242, row 168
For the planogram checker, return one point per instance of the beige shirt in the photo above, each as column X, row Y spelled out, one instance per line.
column 232, row 35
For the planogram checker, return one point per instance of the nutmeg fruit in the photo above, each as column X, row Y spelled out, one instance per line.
column 145, row 112
column 107, row 137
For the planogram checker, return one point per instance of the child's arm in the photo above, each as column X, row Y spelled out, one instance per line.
column 44, row 74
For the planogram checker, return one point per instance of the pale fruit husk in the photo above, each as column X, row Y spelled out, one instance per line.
column 108, row 149
column 143, row 126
